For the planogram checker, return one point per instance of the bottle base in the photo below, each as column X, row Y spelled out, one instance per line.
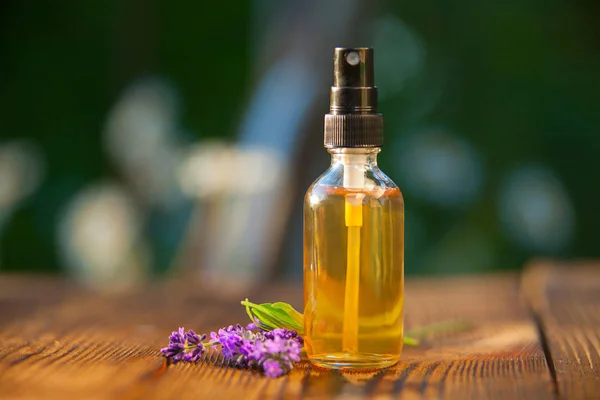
column 347, row 361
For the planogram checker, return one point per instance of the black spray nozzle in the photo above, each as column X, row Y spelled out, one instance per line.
column 353, row 90
column 353, row 67
column 353, row 120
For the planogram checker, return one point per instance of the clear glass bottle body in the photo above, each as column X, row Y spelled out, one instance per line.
column 353, row 264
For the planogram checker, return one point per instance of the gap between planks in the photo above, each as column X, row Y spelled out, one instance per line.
column 565, row 299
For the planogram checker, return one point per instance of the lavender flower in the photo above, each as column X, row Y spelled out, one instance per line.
column 184, row 346
column 277, row 352
column 236, row 344
column 274, row 352
column 285, row 334
column 272, row 368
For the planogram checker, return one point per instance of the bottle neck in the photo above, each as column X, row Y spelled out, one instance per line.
column 354, row 156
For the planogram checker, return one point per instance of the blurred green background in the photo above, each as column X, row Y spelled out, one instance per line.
column 492, row 130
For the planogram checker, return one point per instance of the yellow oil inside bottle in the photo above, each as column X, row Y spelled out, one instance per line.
column 353, row 276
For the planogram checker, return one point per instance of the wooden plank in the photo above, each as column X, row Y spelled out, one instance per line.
column 70, row 350
column 500, row 357
column 74, row 343
column 95, row 346
column 566, row 301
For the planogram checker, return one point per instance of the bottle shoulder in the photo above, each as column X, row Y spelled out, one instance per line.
column 331, row 182
column 334, row 177
column 383, row 180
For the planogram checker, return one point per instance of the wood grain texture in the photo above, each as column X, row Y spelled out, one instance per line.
column 566, row 301
column 56, row 353
column 499, row 357
column 107, row 346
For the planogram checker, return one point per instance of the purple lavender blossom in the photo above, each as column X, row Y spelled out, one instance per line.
column 285, row 334
column 255, row 324
column 230, row 339
column 251, row 326
column 184, row 346
column 236, row 344
column 274, row 352
column 280, row 347
column 176, row 344
column 272, row 368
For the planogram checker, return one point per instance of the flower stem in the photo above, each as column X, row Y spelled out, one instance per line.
column 410, row 341
column 446, row 326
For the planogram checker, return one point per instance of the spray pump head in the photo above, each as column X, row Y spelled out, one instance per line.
column 353, row 120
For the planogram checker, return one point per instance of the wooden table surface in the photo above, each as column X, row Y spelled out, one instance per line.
column 532, row 336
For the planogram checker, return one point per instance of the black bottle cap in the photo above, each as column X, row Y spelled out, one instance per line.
column 353, row 120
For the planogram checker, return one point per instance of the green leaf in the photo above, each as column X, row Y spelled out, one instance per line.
column 411, row 342
column 275, row 315
column 291, row 312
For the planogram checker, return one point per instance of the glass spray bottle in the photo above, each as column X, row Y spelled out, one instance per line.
column 353, row 233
